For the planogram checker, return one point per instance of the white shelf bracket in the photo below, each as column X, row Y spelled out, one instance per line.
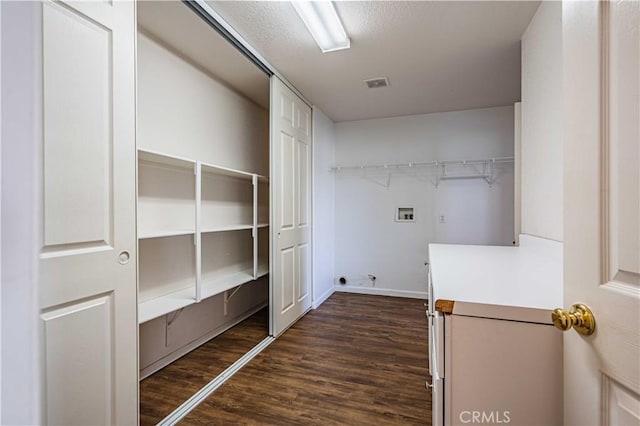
column 170, row 319
column 441, row 175
column 227, row 297
column 387, row 178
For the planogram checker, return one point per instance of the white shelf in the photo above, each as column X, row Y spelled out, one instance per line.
column 226, row 198
column 420, row 164
column 219, row 198
column 164, row 159
column 163, row 305
column 160, row 233
column 263, row 269
column 166, row 195
column 220, row 170
column 220, row 285
column 485, row 169
column 205, row 230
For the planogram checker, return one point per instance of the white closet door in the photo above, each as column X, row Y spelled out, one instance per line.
column 88, row 258
column 291, row 213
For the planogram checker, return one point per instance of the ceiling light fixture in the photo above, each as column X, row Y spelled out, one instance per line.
column 322, row 21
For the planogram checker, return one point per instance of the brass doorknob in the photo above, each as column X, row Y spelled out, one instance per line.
column 580, row 318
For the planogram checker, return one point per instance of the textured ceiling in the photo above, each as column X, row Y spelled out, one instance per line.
column 439, row 56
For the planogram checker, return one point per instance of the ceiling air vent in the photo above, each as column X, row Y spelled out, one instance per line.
column 374, row 83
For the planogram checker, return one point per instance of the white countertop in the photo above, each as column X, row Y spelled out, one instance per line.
column 528, row 276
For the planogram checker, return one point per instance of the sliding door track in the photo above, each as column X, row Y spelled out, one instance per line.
column 191, row 403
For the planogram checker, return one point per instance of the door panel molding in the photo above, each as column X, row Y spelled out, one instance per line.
column 288, row 182
column 620, row 406
column 304, row 272
column 287, row 263
column 79, row 364
column 70, row 224
column 620, row 250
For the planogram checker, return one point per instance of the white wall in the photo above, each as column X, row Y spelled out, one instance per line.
column 185, row 112
column 0, row 211
column 542, row 147
column 324, row 137
column 369, row 241
column 21, row 143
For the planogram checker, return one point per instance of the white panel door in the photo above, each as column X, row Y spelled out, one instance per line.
column 601, row 46
column 88, row 267
column 291, row 195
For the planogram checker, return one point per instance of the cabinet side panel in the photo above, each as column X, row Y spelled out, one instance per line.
column 504, row 372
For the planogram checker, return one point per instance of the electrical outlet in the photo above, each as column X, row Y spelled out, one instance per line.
column 441, row 219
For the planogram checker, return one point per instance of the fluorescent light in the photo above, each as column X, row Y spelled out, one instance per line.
column 323, row 23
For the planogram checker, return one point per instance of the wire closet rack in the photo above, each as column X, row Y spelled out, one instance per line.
column 436, row 171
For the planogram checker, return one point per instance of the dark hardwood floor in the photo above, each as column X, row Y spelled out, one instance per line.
column 165, row 390
column 357, row 360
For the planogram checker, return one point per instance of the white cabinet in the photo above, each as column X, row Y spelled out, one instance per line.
column 436, row 357
column 199, row 233
column 495, row 357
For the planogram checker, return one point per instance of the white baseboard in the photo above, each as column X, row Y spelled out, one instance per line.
column 316, row 303
column 163, row 362
column 383, row 292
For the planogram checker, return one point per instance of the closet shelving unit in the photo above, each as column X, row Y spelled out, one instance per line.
column 202, row 231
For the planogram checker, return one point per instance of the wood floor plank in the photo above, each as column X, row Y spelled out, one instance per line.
column 165, row 390
column 356, row 360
